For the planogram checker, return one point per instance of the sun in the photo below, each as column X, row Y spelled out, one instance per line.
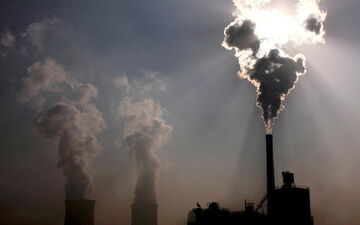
column 274, row 28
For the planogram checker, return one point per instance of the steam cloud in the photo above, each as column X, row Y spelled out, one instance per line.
column 36, row 32
column 258, row 37
column 144, row 132
column 73, row 122
column 7, row 41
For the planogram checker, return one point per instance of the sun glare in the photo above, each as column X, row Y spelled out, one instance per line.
column 274, row 25
column 275, row 28
column 261, row 35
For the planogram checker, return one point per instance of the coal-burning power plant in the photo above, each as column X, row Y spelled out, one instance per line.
column 266, row 64
column 288, row 204
column 79, row 212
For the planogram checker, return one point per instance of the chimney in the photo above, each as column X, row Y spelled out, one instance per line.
column 144, row 214
column 270, row 172
column 79, row 212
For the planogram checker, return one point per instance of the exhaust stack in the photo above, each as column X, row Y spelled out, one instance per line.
column 270, row 172
column 79, row 212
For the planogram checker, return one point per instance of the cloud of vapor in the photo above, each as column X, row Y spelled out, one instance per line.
column 7, row 40
column 47, row 76
column 259, row 35
column 146, row 84
column 36, row 32
column 72, row 122
column 144, row 132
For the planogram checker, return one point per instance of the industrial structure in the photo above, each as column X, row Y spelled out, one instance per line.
column 288, row 204
column 79, row 212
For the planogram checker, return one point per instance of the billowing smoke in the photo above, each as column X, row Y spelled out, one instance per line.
column 242, row 36
column 7, row 40
column 313, row 25
column 72, row 122
column 43, row 78
column 144, row 132
column 36, row 32
column 259, row 35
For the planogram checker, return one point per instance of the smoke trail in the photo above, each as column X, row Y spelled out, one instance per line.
column 43, row 77
column 7, row 42
column 144, row 132
column 258, row 36
column 72, row 123
column 36, row 32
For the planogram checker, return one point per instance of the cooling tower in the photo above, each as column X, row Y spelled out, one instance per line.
column 144, row 214
column 270, row 173
column 79, row 212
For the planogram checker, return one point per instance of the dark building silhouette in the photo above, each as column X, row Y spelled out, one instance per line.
column 144, row 214
column 214, row 215
column 288, row 204
column 79, row 212
column 291, row 203
column 248, row 216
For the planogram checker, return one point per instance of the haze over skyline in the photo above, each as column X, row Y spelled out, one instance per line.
column 216, row 149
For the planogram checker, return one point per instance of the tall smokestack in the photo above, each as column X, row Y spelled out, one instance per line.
column 79, row 212
column 270, row 172
column 144, row 214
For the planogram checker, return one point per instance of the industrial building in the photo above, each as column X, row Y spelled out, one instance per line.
column 288, row 204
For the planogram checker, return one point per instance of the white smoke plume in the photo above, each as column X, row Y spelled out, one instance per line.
column 144, row 132
column 146, row 84
column 259, row 35
column 47, row 76
column 72, row 122
column 7, row 40
column 36, row 32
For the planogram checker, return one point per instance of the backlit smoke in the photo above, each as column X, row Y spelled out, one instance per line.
column 72, row 122
column 258, row 35
column 144, row 132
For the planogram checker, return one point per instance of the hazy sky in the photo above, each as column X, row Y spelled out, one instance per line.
column 216, row 149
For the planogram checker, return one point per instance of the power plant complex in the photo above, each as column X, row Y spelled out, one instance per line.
column 288, row 204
